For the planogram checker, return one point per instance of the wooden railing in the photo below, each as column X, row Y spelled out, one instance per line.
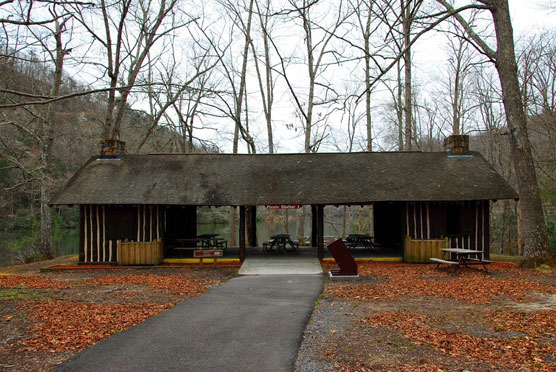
column 420, row 251
column 140, row 253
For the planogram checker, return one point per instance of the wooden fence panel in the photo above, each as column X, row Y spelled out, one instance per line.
column 421, row 250
column 140, row 253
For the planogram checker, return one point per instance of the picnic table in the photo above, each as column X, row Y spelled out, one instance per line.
column 280, row 242
column 463, row 258
column 359, row 240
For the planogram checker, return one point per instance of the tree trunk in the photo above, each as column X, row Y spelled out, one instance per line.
column 399, row 109
column 535, row 239
column 367, row 37
column 406, row 20
column 46, row 249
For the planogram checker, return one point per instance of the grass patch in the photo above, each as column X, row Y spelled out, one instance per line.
column 21, row 294
column 505, row 258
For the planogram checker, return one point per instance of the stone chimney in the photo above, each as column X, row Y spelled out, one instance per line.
column 457, row 144
column 112, row 148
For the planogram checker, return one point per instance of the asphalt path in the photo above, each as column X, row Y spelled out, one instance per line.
column 251, row 323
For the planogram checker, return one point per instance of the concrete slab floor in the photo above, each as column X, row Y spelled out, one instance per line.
column 289, row 265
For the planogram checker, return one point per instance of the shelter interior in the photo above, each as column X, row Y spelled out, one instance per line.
column 463, row 223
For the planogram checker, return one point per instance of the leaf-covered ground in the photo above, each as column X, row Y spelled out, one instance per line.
column 400, row 317
column 47, row 317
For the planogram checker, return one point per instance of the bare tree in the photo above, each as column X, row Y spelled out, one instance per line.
column 48, row 34
column 130, row 29
column 173, row 89
column 454, row 98
column 317, row 38
column 536, row 249
column 266, row 81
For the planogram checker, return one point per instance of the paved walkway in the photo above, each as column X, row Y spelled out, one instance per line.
column 281, row 265
column 250, row 323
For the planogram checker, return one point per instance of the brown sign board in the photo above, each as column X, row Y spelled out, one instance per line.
column 201, row 253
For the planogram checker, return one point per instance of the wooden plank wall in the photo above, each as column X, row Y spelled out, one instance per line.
column 421, row 250
column 140, row 253
column 429, row 220
column 103, row 225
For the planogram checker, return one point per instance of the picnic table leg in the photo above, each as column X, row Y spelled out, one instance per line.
column 443, row 255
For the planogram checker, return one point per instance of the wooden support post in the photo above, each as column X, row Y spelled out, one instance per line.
column 82, row 234
column 249, row 226
column 314, row 213
column 157, row 223
column 194, row 222
column 138, row 223
column 98, row 234
column 242, row 233
column 91, row 232
column 253, row 227
column 486, row 226
column 103, row 234
column 320, row 231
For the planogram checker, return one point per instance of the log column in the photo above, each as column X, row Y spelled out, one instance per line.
column 82, row 233
column 486, row 224
column 242, row 233
column 252, row 226
column 320, row 231
column 313, row 225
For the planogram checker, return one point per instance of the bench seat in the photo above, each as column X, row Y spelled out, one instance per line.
column 478, row 261
column 441, row 261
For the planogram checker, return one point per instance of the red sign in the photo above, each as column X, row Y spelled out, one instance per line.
column 284, row 206
column 208, row 253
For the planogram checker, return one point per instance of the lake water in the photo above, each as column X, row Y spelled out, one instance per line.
column 264, row 230
column 15, row 245
column 66, row 241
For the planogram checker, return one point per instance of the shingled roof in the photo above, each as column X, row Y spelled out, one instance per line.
column 326, row 178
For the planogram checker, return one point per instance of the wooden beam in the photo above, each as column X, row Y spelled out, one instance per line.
column 242, row 233
column 320, row 232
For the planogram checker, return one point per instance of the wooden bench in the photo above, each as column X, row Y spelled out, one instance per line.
column 469, row 261
column 294, row 244
column 478, row 261
column 268, row 245
column 441, row 261
column 222, row 244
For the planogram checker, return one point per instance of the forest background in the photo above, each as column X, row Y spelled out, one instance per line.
column 261, row 76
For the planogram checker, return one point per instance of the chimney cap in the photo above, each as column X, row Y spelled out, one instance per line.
column 457, row 144
column 112, row 148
